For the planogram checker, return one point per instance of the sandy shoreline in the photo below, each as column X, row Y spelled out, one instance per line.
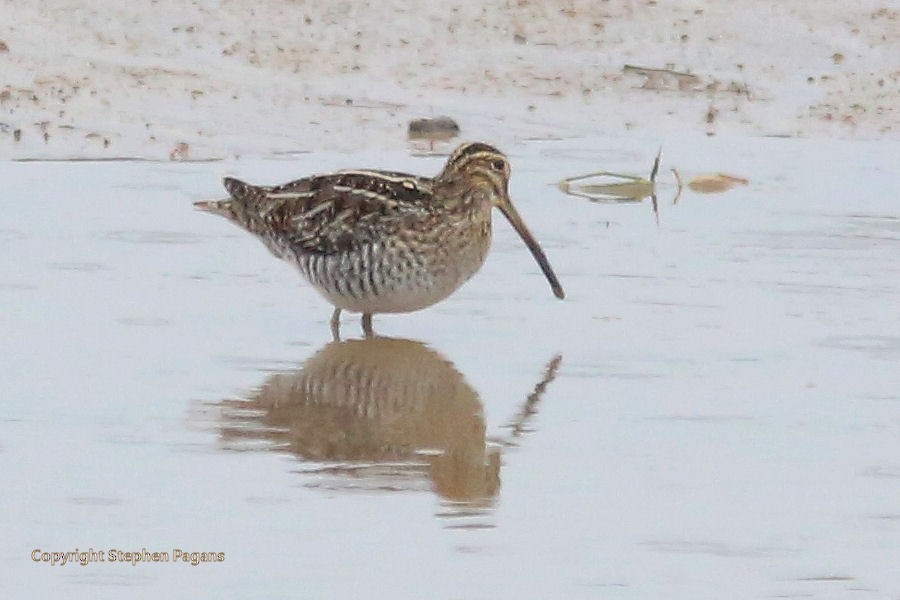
column 227, row 79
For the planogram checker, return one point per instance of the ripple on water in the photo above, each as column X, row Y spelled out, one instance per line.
column 12, row 235
column 875, row 346
column 84, row 267
column 10, row 286
column 140, row 236
column 712, row 548
column 883, row 472
column 143, row 321
column 95, row 501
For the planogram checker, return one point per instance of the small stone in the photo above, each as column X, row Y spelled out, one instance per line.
column 181, row 151
column 433, row 129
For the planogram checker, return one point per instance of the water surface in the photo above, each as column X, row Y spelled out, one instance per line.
column 713, row 411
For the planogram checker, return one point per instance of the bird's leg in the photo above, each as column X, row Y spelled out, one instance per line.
column 336, row 324
column 367, row 325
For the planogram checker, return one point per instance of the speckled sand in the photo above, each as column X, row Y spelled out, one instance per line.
column 210, row 79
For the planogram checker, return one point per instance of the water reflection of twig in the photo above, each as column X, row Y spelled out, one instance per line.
column 631, row 188
column 680, row 185
column 623, row 189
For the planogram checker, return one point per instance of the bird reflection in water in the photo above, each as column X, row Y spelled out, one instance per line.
column 380, row 414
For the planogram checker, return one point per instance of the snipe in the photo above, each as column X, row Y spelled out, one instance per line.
column 384, row 242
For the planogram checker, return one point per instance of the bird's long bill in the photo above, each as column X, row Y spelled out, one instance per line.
column 519, row 225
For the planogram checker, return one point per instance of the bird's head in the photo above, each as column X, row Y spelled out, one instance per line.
column 477, row 170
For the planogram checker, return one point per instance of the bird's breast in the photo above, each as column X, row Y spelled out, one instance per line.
column 405, row 272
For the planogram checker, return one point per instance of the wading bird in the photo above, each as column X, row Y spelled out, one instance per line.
column 384, row 242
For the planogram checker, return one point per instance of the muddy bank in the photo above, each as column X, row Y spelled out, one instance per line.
column 273, row 78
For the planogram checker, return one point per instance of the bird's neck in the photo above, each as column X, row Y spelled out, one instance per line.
column 464, row 195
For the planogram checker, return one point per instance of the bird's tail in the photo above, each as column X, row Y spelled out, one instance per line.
column 216, row 207
column 239, row 192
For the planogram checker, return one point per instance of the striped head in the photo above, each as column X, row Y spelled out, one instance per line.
column 479, row 168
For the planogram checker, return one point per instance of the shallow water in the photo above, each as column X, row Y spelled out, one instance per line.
column 713, row 411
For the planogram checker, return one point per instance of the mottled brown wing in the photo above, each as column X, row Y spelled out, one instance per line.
column 333, row 213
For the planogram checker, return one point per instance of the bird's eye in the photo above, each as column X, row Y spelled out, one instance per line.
column 499, row 165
